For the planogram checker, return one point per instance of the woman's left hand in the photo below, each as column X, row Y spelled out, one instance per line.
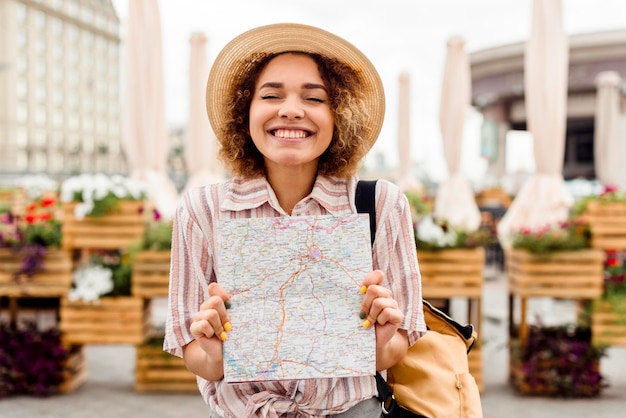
column 380, row 308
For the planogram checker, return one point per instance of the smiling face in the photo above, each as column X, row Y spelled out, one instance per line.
column 291, row 121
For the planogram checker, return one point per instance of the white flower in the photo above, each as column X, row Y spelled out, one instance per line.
column 94, row 187
column 36, row 185
column 428, row 231
column 91, row 282
column 83, row 209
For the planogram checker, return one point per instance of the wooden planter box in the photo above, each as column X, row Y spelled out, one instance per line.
column 607, row 222
column 452, row 273
column 556, row 375
column 158, row 371
column 493, row 197
column 113, row 320
column 54, row 280
column 74, row 371
column 118, row 229
column 608, row 325
column 151, row 274
column 564, row 274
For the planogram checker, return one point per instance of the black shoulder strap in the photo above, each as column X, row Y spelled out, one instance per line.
column 365, row 201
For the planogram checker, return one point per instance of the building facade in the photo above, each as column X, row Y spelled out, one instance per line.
column 498, row 93
column 59, row 88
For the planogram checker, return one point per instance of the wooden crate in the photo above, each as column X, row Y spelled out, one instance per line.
column 118, row 229
column 562, row 274
column 547, row 386
column 54, row 280
column 151, row 274
column 74, row 370
column 113, row 320
column 452, row 273
column 608, row 324
column 475, row 359
column 158, row 371
column 607, row 223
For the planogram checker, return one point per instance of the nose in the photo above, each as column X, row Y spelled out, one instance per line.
column 291, row 109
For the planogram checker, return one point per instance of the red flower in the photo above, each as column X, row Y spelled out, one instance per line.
column 45, row 216
column 31, row 207
column 48, row 201
column 30, row 218
column 610, row 262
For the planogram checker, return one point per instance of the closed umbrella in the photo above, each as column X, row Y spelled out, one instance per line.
column 608, row 159
column 145, row 136
column 203, row 166
column 543, row 199
column 455, row 201
column 406, row 182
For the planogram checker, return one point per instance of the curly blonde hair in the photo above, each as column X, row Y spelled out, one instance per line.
column 348, row 146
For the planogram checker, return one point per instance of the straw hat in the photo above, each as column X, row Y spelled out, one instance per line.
column 235, row 59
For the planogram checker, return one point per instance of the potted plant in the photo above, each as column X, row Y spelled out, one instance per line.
column 555, row 261
column 102, row 212
column 99, row 308
column 151, row 259
column 451, row 259
column 31, row 261
column 609, row 312
column 35, row 362
column 606, row 215
column 557, row 361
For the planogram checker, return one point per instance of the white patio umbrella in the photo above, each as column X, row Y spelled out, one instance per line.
column 543, row 199
column 406, row 182
column 455, row 201
column 145, row 134
column 607, row 153
column 201, row 144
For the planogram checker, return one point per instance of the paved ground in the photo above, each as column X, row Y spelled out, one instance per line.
column 108, row 391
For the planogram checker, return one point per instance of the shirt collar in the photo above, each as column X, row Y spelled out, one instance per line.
column 334, row 194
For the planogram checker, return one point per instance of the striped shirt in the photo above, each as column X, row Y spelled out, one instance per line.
column 193, row 268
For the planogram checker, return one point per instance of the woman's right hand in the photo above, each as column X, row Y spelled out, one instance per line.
column 210, row 325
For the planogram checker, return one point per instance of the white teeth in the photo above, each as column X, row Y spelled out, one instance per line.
column 289, row 133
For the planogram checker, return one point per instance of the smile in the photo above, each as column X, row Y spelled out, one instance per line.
column 290, row 133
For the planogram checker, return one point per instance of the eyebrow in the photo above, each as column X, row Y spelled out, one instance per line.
column 308, row 86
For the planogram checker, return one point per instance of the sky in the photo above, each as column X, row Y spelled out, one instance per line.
column 397, row 35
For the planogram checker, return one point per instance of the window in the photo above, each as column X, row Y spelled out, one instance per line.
column 21, row 12
column 21, row 88
column 40, row 116
column 40, row 139
column 40, row 93
column 40, row 20
column 21, row 112
column 21, row 64
column 21, row 138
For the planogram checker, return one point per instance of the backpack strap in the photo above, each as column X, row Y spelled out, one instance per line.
column 365, row 201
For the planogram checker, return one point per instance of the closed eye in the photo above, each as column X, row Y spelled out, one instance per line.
column 316, row 100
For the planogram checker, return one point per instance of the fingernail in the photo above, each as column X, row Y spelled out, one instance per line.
column 362, row 315
column 228, row 326
column 227, row 304
column 223, row 336
column 366, row 323
column 363, row 289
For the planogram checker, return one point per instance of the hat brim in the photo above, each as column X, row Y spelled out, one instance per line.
column 290, row 37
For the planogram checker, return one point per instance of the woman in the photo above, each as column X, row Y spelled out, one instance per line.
column 295, row 109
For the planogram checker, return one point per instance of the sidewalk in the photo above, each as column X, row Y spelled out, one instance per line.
column 108, row 391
